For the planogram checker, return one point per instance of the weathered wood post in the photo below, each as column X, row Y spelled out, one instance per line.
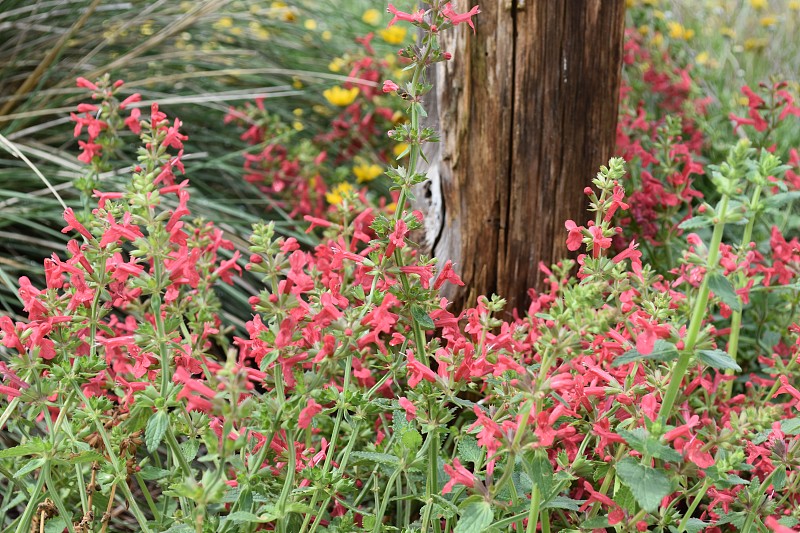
column 527, row 116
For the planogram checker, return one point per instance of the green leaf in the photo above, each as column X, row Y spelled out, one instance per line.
column 595, row 523
column 640, row 440
column 29, row 448
column 422, row 317
column 562, row 502
column 189, row 449
column 693, row 525
column 151, row 473
column 695, row 223
column 375, row 457
column 542, row 474
column 243, row 517
column 662, row 351
column 476, row 516
column 779, row 478
column 648, row 485
column 717, row 359
column 781, row 199
column 624, row 498
column 723, row 289
column 468, row 450
column 155, row 430
column 29, row 467
column 791, row 426
column 55, row 525
column 180, row 528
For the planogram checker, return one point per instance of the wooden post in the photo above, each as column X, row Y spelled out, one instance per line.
column 527, row 108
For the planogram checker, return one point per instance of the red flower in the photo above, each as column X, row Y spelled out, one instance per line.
column 458, row 18
column 447, row 274
column 408, row 17
column 389, row 86
column 409, row 408
column 72, row 223
column 311, row 409
column 575, row 238
column 458, row 476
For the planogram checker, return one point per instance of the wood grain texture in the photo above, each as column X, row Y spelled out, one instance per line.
column 527, row 109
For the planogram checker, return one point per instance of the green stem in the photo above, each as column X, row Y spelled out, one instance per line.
column 533, row 512
column 753, row 512
column 696, row 321
column 288, row 483
column 24, row 522
column 334, row 436
column 697, row 499
column 387, row 492
column 736, row 319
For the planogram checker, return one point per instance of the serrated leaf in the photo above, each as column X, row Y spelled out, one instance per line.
column 648, row 485
column 29, row 467
column 641, row 441
column 662, row 351
column 562, row 502
column 155, row 430
column 468, row 450
column 595, row 523
column 151, row 473
column 723, row 289
column 55, row 525
column 542, row 474
column 243, row 517
column 475, row 516
column 791, row 426
column 779, row 478
column 189, row 449
column 782, row 199
column 29, row 448
column 695, row 223
column 624, row 498
column 375, row 457
column 717, row 359
column 422, row 317
column 180, row 528
column 693, row 525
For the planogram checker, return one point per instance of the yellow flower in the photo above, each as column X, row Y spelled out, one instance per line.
column 339, row 96
column 399, row 149
column 327, row 35
column 371, row 17
column 298, row 112
column 310, row 24
column 756, row 44
column 147, row 28
column 657, row 39
column 223, row 23
column 702, row 58
column 794, row 5
column 339, row 193
column 297, row 83
column 297, row 125
column 768, row 21
column 393, row 35
column 644, row 30
column 336, row 65
column 677, row 31
column 728, row 32
column 629, row 3
column 365, row 172
column 759, row 4
column 659, row 14
column 743, row 100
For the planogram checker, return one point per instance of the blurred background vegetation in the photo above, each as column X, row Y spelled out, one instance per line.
column 199, row 58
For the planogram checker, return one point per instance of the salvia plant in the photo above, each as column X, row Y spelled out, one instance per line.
column 627, row 398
